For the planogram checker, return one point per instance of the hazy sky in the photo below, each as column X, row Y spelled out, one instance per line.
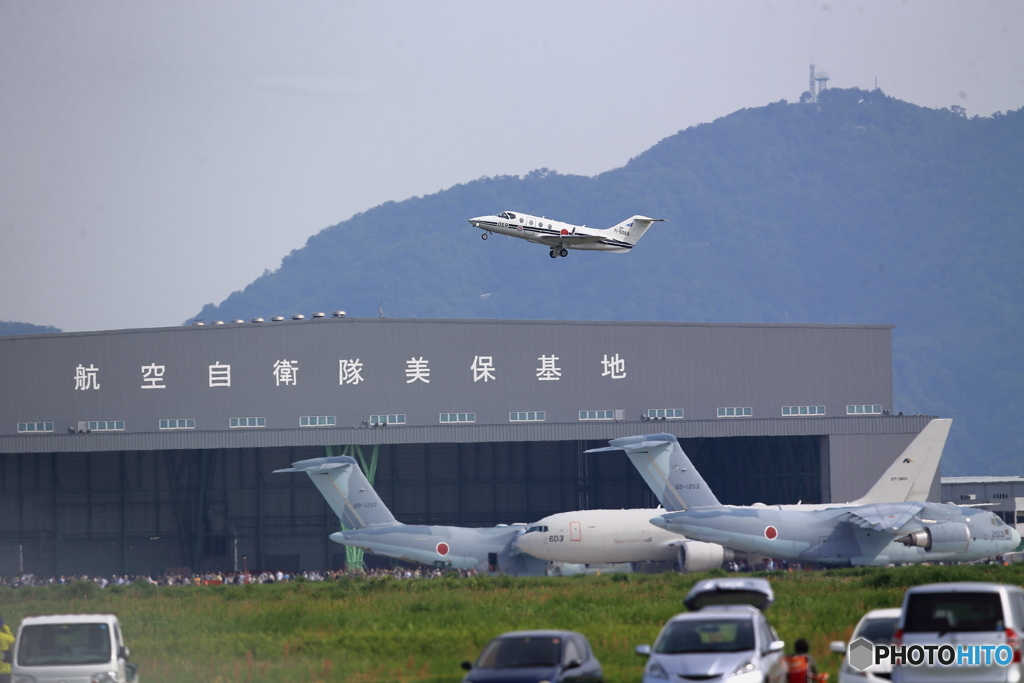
column 156, row 156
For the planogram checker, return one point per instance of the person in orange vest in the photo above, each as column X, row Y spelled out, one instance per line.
column 801, row 664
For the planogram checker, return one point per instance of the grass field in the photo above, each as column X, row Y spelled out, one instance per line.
column 385, row 629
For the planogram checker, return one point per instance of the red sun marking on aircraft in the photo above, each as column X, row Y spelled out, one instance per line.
column 442, row 549
column 771, row 533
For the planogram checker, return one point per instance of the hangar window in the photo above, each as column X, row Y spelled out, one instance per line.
column 177, row 424
column 1000, row 495
column 35, row 427
column 864, row 410
column 597, row 414
column 735, row 412
column 796, row 411
column 106, row 426
column 247, row 422
column 448, row 418
column 317, row 421
column 387, row 419
column 532, row 416
column 666, row 413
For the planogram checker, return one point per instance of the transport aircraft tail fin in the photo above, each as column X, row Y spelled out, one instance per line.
column 910, row 477
column 632, row 229
column 347, row 491
column 664, row 466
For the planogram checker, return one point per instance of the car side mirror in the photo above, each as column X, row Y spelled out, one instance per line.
column 124, row 652
column 777, row 646
column 643, row 650
column 837, row 646
column 573, row 664
column 466, row 665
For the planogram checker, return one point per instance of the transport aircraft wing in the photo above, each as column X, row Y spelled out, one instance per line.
column 889, row 517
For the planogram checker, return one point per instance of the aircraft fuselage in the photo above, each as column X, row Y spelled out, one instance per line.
column 600, row 537
column 824, row 534
column 485, row 550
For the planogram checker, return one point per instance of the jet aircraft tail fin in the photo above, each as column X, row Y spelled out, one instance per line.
column 632, row 229
column 910, row 477
column 664, row 466
column 347, row 491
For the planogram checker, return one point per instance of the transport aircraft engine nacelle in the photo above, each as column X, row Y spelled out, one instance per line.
column 697, row 556
column 951, row 537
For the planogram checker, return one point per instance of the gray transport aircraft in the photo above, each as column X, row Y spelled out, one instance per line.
column 559, row 237
column 614, row 536
column 370, row 525
column 878, row 529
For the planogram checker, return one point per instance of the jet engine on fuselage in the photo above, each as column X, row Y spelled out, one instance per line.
column 697, row 556
column 946, row 537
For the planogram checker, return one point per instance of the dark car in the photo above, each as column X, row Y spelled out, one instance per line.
column 535, row 656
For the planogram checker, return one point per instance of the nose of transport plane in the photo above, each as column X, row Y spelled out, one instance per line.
column 529, row 543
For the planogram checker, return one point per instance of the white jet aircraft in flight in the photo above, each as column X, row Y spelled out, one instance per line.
column 560, row 237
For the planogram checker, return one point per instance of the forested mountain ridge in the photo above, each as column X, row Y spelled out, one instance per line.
column 859, row 208
column 12, row 328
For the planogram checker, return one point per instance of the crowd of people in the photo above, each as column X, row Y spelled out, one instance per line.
column 185, row 578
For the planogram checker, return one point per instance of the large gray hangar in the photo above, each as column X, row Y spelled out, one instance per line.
column 136, row 450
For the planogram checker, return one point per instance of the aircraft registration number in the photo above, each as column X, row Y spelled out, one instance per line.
column 364, row 505
column 897, row 479
column 685, row 487
column 557, row 538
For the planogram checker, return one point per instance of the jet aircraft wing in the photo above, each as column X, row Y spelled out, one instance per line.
column 889, row 517
column 640, row 445
column 570, row 239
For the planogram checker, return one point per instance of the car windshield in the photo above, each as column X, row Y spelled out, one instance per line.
column 50, row 644
column 706, row 635
column 945, row 612
column 878, row 631
column 504, row 653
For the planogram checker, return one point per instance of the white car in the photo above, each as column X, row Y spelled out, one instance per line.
column 877, row 626
column 72, row 648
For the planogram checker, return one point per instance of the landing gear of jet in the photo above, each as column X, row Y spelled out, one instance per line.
column 483, row 236
column 552, row 254
column 564, row 252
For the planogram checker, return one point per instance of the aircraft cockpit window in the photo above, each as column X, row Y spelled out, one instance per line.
column 536, row 528
column 507, row 214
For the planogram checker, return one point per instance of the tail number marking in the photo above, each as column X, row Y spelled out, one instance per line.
column 556, row 539
column 684, row 487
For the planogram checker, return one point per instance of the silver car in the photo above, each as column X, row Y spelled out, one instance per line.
column 718, row 642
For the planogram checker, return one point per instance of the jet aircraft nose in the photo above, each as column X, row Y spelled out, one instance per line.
column 475, row 222
column 1015, row 535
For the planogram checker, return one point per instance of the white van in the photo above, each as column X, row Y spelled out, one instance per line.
column 71, row 648
column 962, row 615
